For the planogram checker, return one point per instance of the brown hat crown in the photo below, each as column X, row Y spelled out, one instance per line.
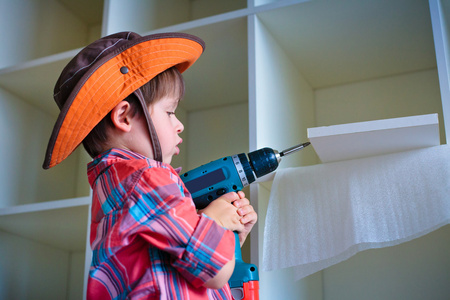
column 85, row 60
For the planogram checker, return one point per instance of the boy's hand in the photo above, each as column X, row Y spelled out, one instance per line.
column 225, row 213
column 248, row 216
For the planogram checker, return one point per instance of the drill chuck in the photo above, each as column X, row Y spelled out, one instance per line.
column 264, row 161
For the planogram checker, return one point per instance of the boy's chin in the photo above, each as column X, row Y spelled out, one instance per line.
column 167, row 160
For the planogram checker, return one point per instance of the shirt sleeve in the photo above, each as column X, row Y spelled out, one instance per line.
column 161, row 214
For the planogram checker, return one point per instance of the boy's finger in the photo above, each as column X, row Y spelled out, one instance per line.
column 230, row 197
column 241, row 202
column 251, row 218
column 245, row 209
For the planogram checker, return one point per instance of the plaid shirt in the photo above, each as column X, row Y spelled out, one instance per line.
column 147, row 239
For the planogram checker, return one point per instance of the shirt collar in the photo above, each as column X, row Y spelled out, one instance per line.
column 104, row 160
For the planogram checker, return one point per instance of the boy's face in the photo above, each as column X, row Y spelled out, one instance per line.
column 167, row 126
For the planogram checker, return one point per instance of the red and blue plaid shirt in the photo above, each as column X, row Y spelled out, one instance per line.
column 147, row 238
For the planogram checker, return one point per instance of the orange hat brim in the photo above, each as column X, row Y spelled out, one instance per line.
column 101, row 89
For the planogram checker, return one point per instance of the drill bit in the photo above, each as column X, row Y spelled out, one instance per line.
column 293, row 149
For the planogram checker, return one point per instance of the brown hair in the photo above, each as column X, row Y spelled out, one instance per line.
column 167, row 83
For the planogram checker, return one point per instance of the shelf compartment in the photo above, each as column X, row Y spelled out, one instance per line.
column 338, row 42
column 24, row 142
column 344, row 62
column 33, row 81
column 43, row 249
column 216, row 99
column 60, row 224
column 143, row 16
column 47, row 27
column 220, row 75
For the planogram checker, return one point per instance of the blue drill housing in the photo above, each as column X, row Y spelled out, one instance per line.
column 212, row 180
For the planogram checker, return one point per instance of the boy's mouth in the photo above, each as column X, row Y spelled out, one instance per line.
column 177, row 149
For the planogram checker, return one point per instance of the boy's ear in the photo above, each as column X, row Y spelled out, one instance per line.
column 120, row 116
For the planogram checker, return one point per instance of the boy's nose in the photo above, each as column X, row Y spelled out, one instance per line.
column 180, row 126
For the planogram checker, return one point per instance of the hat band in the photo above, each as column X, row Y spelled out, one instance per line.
column 157, row 153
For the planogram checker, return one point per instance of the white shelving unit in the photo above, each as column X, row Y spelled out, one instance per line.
column 271, row 70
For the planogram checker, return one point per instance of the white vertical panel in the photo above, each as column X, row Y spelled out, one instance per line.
column 284, row 109
column 251, row 49
column 88, row 254
column 440, row 18
column 284, row 100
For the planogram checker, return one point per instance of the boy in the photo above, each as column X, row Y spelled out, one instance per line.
column 118, row 97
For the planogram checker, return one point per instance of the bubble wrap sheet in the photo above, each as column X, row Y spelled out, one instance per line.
column 323, row 214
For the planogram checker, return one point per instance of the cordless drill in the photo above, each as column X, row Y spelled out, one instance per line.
column 231, row 174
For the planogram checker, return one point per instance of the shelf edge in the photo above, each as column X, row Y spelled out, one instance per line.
column 42, row 206
column 240, row 13
column 39, row 61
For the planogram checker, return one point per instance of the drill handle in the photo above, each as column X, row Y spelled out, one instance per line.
column 244, row 282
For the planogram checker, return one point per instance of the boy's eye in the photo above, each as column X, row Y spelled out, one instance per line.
column 171, row 113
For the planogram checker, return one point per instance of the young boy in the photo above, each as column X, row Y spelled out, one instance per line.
column 118, row 97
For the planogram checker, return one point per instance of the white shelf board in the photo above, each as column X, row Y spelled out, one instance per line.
column 61, row 224
column 364, row 139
